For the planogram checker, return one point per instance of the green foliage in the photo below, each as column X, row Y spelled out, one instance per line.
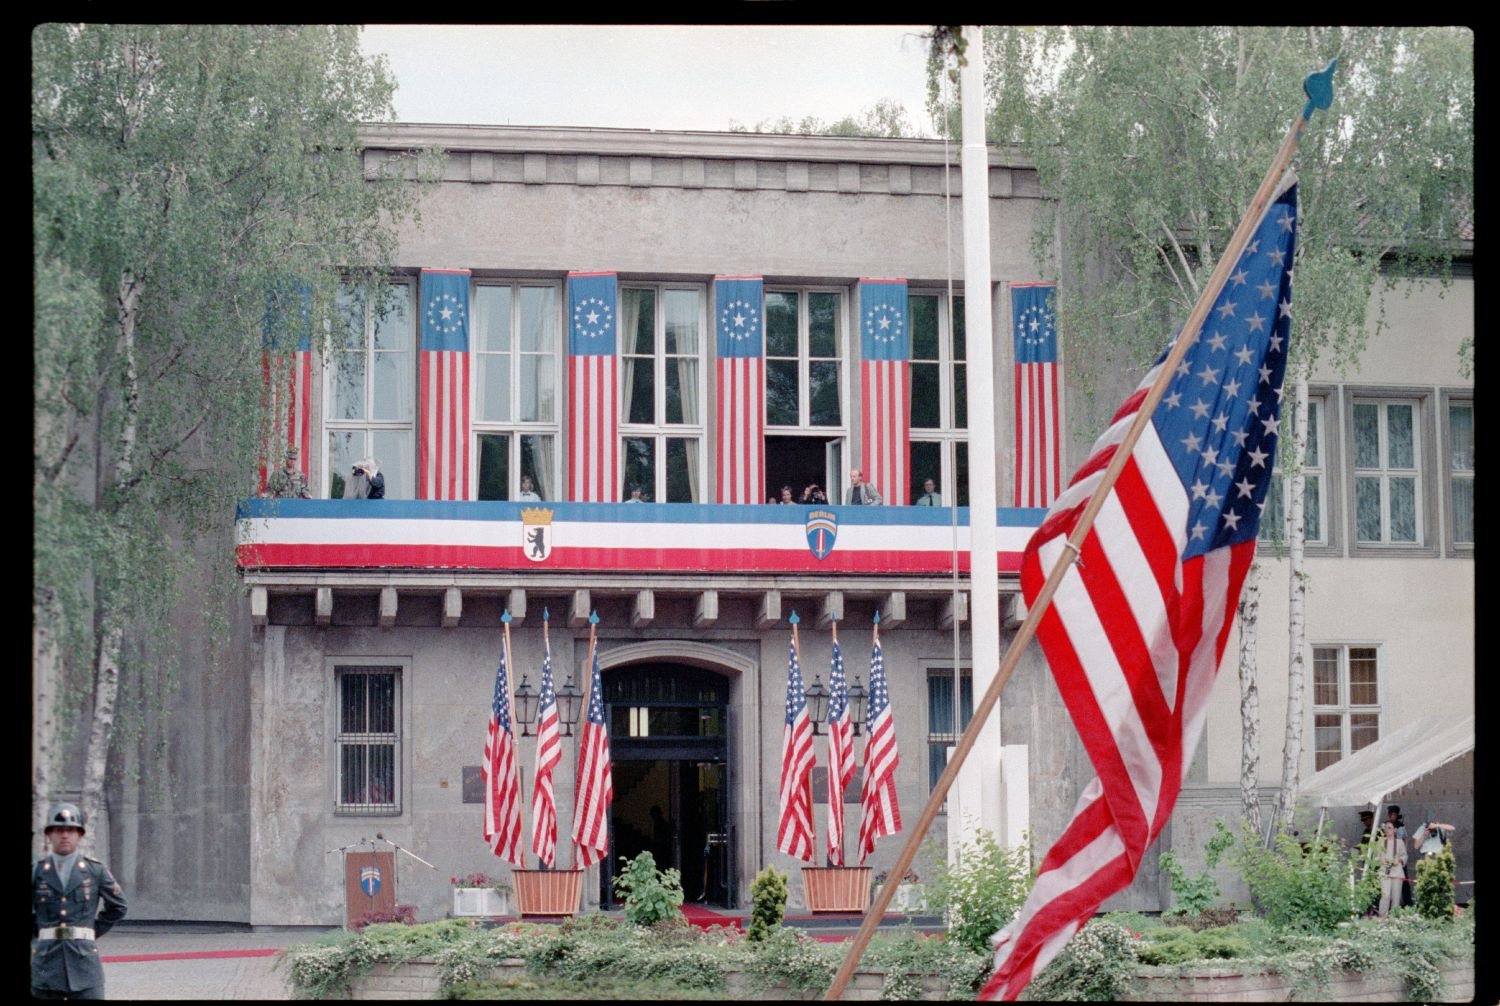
column 1097, row 965
column 651, row 895
column 1175, row 944
column 983, row 890
column 904, row 955
column 1303, row 886
column 790, row 957
column 1434, row 890
column 768, row 903
column 1195, row 894
column 887, row 117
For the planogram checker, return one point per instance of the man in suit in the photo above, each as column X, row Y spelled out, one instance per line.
column 74, row 900
column 930, row 496
column 861, row 493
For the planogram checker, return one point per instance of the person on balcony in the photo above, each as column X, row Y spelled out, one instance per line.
column 814, row 495
column 528, row 490
column 930, row 496
column 861, row 493
column 287, row 482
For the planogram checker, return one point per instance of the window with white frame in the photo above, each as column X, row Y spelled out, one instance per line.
column 1274, row 521
column 939, row 399
column 372, row 387
column 515, row 389
column 805, row 389
column 661, row 403
column 1346, row 701
column 368, row 740
column 1387, row 455
column 1461, row 471
column 941, row 733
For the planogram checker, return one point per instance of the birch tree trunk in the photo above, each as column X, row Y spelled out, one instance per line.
column 1291, row 755
column 43, row 679
column 1249, row 614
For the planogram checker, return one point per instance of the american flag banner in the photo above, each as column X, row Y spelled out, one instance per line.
column 595, row 788
column 548, row 754
column 880, row 810
column 840, row 752
column 593, row 389
column 287, row 379
column 443, row 381
column 740, row 303
column 885, row 388
column 1038, row 424
column 1137, row 627
column 502, row 798
column 794, row 830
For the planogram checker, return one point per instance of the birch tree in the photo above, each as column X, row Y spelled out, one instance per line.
column 1152, row 141
column 181, row 174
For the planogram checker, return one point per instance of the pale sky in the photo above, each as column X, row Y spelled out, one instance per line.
column 650, row 77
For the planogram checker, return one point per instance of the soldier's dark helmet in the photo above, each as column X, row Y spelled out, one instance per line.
column 65, row 815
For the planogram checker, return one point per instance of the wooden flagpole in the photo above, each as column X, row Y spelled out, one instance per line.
column 505, row 617
column 1319, row 89
column 588, row 684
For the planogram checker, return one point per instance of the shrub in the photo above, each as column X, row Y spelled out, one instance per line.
column 1434, row 891
column 405, row 915
column 651, row 895
column 768, row 903
column 1175, row 944
column 983, row 890
column 1097, row 965
column 1192, row 895
column 1302, row 884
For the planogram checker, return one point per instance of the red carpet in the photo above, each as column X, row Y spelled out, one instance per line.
column 191, row 955
column 704, row 918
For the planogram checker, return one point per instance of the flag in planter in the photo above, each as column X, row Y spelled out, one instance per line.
column 548, row 754
column 502, row 799
column 840, row 752
column 1137, row 627
column 794, row 832
column 881, row 811
column 596, row 788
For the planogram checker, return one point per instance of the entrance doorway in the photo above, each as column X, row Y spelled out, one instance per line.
column 669, row 743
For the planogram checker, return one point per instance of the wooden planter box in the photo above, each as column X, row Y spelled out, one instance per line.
column 547, row 892
column 836, row 888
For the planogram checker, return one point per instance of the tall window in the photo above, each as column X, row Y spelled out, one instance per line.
column 661, row 406
column 941, row 734
column 368, row 741
column 372, row 387
column 805, row 412
column 1387, row 503
column 1273, row 523
column 1346, row 701
column 515, row 389
column 1461, row 471
column 939, row 399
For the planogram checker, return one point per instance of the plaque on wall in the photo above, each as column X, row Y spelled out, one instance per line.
column 473, row 783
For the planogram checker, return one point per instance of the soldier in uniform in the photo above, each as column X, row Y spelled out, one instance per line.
column 74, row 899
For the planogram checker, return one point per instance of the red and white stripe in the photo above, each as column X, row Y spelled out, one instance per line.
column 287, row 386
column 443, row 446
column 543, row 799
column 1038, row 435
column 881, row 811
column 885, row 419
column 742, row 427
column 1134, row 637
column 502, row 804
column 840, row 770
column 593, row 453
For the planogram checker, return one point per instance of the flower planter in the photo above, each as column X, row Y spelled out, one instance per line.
column 547, row 892
column 479, row 902
column 836, row 888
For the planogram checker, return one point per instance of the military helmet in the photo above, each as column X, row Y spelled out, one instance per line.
column 65, row 815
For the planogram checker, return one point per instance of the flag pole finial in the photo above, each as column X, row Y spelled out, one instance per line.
column 545, row 615
column 1319, row 89
column 505, row 616
column 593, row 618
column 794, row 619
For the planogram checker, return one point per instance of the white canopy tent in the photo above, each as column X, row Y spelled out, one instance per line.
column 1374, row 772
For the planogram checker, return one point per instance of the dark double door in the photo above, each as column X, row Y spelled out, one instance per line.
column 669, row 745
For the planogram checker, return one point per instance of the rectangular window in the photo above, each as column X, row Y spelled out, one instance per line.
column 516, row 344
column 1274, row 521
column 1461, row 471
column 661, row 406
column 941, row 734
column 368, row 741
column 1387, row 455
column 1346, row 701
column 372, row 388
column 804, row 359
column 939, row 401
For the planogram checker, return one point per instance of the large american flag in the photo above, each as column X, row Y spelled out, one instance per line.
column 794, row 831
column 1038, row 429
column 548, row 754
column 880, row 810
column 1137, row 627
column 443, row 379
column 885, row 387
column 740, row 303
column 502, row 797
column 840, row 754
column 596, row 788
column 593, row 389
column 287, row 378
